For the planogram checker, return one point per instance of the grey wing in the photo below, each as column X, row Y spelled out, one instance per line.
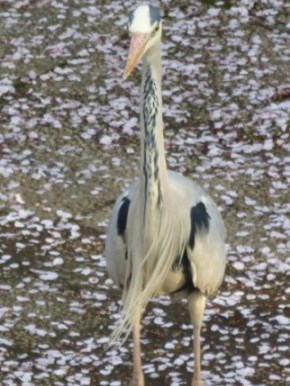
column 206, row 247
column 115, row 248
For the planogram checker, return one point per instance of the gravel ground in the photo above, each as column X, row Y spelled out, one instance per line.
column 69, row 143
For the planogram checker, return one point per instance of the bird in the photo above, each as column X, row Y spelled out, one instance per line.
column 165, row 235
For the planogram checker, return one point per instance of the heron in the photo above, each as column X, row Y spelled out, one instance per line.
column 166, row 234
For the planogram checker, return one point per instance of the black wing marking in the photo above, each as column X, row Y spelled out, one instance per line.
column 199, row 221
column 184, row 264
column 122, row 217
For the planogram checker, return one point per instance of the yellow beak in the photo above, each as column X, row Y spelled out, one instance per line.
column 136, row 51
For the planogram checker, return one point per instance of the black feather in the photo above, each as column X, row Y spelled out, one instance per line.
column 154, row 15
column 199, row 221
column 184, row 264
column 122, row 217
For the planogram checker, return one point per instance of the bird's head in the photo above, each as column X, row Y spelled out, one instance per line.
column 145, row 30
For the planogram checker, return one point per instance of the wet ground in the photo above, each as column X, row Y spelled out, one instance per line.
column 69, row 143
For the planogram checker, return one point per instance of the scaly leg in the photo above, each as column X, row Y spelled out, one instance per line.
column 138, row 376
column 196, row 303
column 196, row 381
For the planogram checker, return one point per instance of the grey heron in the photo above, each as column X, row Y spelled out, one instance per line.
column 166, row 235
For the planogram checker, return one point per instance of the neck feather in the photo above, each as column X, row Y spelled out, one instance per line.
column 153, row 168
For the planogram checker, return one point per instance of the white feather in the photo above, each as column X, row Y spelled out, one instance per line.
column 141, row 20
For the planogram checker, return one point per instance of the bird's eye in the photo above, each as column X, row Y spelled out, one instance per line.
column 156, row 29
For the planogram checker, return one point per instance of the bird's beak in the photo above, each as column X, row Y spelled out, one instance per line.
column 136, row 51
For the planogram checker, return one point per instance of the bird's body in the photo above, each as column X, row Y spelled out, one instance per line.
column 188, row 237
column 166, row 235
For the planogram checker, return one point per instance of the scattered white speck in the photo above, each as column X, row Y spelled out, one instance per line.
column 58, row 261
column 6, row 342
column 63, row 214
column 48, row 275
column 106, row 140
column 283, row 320
column 239, row 265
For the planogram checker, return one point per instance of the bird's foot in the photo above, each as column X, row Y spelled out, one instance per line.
column 138, row 380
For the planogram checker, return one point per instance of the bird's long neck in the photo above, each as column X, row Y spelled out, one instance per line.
column 153, row 163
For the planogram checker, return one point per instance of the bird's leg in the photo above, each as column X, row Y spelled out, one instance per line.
column 138, row 376
column 196, row 381
column 196, row 303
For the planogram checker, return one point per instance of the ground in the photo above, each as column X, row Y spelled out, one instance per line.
column 69, row 144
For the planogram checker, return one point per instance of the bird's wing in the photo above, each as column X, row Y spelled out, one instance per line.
column 115, row 249
column 205, row 246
